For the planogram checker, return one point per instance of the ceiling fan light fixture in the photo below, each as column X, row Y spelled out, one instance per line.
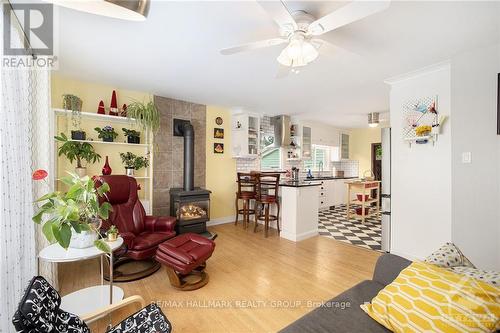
column 373, row 119
column 298, row 53
column 130, row 10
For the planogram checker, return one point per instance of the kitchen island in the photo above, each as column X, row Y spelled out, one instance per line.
column 299, row 207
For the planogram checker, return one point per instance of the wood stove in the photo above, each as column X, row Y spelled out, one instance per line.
column 190, row 205
column 191, row 208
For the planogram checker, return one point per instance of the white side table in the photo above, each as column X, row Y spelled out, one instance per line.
column 89, row 299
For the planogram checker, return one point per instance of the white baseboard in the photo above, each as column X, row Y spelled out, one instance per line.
column 299, row 237
column 220, row 220
column 405, row 255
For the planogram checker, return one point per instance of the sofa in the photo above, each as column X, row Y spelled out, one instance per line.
column 336, row 317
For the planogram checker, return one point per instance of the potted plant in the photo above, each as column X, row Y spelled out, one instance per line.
column 133, row 162
column 78, row 135
column 112, row 233
column 79, row 151
column 132, row 135
column 107, row 133
column 73, row 218
column 145, row 114
column 74, row 103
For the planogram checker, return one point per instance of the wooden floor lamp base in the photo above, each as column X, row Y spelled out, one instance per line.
column 192, row 281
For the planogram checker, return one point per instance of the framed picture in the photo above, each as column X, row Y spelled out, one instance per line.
column 219, row 121
column 218, row 133
column 498, row 105
column 218, row 148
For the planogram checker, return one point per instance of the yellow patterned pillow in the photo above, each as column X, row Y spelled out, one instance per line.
column 427, row 298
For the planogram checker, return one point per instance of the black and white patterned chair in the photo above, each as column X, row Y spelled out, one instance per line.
column 39, row 312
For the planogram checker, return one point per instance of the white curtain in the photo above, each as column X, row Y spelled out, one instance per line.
column 25, row 145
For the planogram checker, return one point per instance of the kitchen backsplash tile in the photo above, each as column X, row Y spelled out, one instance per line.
column 247, row 164
column 350, row 167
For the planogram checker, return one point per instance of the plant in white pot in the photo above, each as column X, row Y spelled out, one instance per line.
column 73, row 218
column 79, row 151
column 133, row 162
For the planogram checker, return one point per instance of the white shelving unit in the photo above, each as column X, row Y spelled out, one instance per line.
column 95, row 116
column 245, row 135
column 105, row 119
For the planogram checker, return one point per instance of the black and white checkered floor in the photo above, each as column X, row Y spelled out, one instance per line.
column 334, row 224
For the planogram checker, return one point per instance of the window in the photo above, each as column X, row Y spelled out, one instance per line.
column 320, row 154
column 271, row 160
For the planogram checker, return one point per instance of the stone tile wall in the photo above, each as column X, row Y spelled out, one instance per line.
column 169, row 150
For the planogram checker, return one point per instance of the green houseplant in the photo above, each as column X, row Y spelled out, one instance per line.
column 79, row 151
column 73, row 217
column 133, row 136
column 107, row 133
column 112, row 233
column 133, row 162
column 145, row 114
column 74, row 104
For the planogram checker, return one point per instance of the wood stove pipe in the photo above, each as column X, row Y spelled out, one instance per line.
column 185, row 129
column 188, row 133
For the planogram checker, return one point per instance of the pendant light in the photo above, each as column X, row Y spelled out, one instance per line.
column 131, row 10
column 373, row 120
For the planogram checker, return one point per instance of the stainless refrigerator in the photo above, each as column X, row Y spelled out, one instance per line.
column 386, row 189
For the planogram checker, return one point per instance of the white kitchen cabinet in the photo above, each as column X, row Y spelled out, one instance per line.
column 245, row 135
column 326, row 194
column 340, row 192
column 306, row 143
column 344, row 146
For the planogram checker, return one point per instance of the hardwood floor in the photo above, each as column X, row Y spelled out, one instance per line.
column 256, row 284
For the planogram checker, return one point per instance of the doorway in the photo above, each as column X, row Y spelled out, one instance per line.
column 377, row 164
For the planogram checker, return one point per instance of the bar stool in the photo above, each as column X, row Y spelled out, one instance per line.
column 266, row 194
column 246, row 193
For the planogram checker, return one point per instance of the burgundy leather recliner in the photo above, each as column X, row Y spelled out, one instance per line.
column 141, row 233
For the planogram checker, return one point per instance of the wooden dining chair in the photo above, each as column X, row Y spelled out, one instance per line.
column 267, row 185
column 246, row 192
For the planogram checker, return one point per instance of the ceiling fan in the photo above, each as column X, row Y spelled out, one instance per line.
column 300, row 30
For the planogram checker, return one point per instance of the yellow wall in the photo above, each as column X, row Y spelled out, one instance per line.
column 221, row 168
column 91, row 93
column 360, row 145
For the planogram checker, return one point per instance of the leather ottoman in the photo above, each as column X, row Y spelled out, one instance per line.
column 184, row 257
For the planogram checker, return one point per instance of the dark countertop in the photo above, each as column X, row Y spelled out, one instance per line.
column 299, row 183
column 327, row 178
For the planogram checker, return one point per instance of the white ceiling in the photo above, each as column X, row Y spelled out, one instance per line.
column 175, row 53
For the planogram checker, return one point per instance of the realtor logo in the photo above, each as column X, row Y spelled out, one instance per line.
column 28, row 35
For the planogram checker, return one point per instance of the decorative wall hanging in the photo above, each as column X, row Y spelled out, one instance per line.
column 219, row 121
column 218, row 148
column 218, row 133
column 421, row 123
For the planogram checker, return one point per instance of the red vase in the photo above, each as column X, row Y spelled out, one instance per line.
column 106, row 169
column 113, row 108
column 100, row 109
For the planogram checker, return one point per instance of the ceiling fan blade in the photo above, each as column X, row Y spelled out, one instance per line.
column 330, row 49
column 353, row 11
column 283, row 71
column 280, row 14
column 255, row 45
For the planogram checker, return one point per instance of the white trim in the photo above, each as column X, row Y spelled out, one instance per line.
column 298, row 237
column 422, row 71
column 221, row 220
